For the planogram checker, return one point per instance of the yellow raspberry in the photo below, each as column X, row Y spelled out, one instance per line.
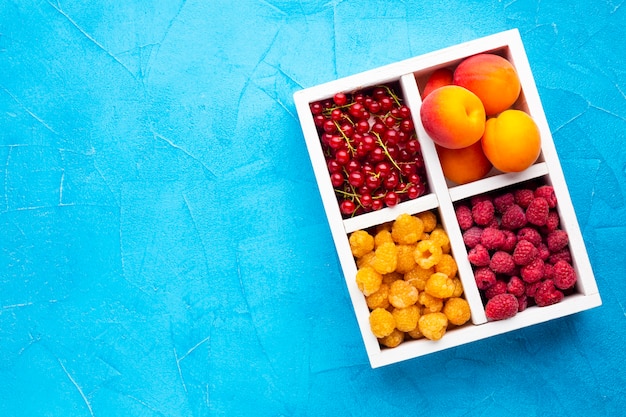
column 391, row 277
column 365, row 260
column 406, row 259
column 418, row 276
column 402, row 294
column 392, row 340
column 447, row 265
column 361, row 243
column 439, row 285
column 427, row 253
column 386, row 258
column 458, row 287
column 439, row 236
column 433, row 325
column 429, row 219
column 378, row 299
column 457, row 311
column 407, row 229
column 382, row 236
column 431, row 304
column 368, row 280
column 382, row 322
column 415, row 333
column 406, row 318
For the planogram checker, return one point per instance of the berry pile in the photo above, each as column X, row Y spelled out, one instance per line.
column 371, row 149
column 409, row 279
column 518, row 251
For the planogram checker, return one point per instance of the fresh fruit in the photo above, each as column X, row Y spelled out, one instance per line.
column 373, row 156
column 511, row 141
column 399, row 297
column 492, row 78
column 439, row 78
column 536, row 265
column 453, row 117
column 465, row 164
column 501, row 306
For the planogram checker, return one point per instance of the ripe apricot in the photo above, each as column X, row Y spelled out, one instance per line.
column 492, row 78
column 453, row 116
column 512, row 141
column 439, row 78
column 464, row 165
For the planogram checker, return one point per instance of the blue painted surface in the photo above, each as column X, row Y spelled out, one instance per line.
column 164, row 250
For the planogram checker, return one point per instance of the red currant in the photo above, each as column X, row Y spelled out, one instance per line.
column 391, row 199
column 330, row 126
column 366, row 200
column 362, row 126
column 413, row 146
column 386, row 103
column 377, row 204
column 372, row 181
column 407, row 125
column 356, row 178
column 333, row 166
column 336, row 179
column 316, row 108
column 404, row 112
column 342, row 156
column 340, row 99
column 383, row 169
column 347, row 207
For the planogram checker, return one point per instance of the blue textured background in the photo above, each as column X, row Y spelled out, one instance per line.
column 164, row 250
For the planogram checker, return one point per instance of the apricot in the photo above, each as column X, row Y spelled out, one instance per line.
column 492, row 78
column 439, row 78
column 465, row 164
column 453, row 117
column 512, row 141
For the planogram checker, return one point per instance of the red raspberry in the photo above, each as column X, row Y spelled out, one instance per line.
column 492, row 238
column 471, row 237
column 514, row 218
column 531, row 289
column 547, row 192
column 483, row 212
column 516, row 286
column 523, row 197
column 553, row 221
column 484, row 278
column 479, row 256
column 530, row 234
column 557, row 240
column 502, row 263
column 522, row 300
column 502, row 306
column 562, row 255
column 548, row 271
column 547, row 294
column 464, row 217
column 499, row 287
column 510, row 240
column 479, row 199
column 564, row 275
column 537, row 211
column 495, row 223
column 503, row 202
column 543, row 252
column 533, row 271
column 524, row 252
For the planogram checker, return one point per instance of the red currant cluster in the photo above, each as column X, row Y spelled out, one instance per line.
column 372, row 152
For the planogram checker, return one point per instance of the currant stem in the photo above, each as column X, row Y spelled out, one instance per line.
column 382, row 145
column 392, row 95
